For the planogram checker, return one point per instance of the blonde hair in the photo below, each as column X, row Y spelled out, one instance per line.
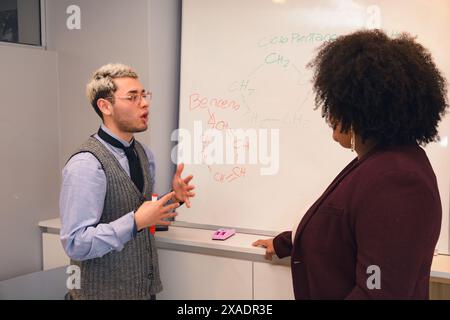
column 102, row 86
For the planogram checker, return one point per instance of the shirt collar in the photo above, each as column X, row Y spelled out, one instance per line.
column 124, row 142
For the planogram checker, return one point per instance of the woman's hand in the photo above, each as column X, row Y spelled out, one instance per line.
column 268, row 244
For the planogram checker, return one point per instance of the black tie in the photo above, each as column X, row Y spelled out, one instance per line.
column 133, row 160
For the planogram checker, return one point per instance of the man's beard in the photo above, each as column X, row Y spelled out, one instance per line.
column 125, row 127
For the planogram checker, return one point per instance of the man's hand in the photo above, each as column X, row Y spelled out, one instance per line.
column 268, row 244
column 151, row 213
column 182, row 188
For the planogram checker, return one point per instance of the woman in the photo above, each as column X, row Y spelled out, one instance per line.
column 373, row 232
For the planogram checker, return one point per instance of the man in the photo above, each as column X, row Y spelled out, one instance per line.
column 106, row 183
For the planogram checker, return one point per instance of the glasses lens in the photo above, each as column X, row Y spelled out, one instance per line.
column 137, row 98
column 134, row 98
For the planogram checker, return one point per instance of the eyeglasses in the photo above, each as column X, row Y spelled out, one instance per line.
column 136, row 98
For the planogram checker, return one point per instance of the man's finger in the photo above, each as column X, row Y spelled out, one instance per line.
column 191, row 194
column 191, row 187
column 167, row 197
column 180, row 168
column 188, row 179
column 171, row 206
column 188, row 202
column 169, row 215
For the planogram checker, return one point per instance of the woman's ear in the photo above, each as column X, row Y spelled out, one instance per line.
column 343, row 138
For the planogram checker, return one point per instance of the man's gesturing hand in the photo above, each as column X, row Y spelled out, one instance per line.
column 152, row 213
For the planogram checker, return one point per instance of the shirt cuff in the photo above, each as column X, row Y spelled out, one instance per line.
column 124, row 227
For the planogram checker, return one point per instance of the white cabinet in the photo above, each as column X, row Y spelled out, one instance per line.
column 187, row 276
column 272, row 282
column 53, row 254
column 197, row 276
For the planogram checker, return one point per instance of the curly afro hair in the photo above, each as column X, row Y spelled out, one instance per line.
column 387, row 90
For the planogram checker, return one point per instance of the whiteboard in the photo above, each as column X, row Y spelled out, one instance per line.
column 243, row 66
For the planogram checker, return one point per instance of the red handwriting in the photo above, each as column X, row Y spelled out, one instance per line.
column 241, row 144
column 219, row 125
column 196, row 101
column 206, row 141
column 237, row 172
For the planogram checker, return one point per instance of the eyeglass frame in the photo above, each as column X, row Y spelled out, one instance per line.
column 133, row 96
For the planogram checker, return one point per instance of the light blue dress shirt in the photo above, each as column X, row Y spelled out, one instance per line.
column 82, row 197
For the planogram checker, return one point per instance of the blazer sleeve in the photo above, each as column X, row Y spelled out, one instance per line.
column 396, row 225
column 282, row 244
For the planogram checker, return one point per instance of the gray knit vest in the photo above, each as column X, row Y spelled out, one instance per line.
column 133, row 272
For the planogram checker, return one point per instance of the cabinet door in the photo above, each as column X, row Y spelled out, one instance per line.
column 272, row 282
column 53, row 253
column 196, row 276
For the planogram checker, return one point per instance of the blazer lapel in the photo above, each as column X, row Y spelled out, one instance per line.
column 353, row 164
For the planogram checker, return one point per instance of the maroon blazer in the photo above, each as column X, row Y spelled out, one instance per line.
column 382, row 210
